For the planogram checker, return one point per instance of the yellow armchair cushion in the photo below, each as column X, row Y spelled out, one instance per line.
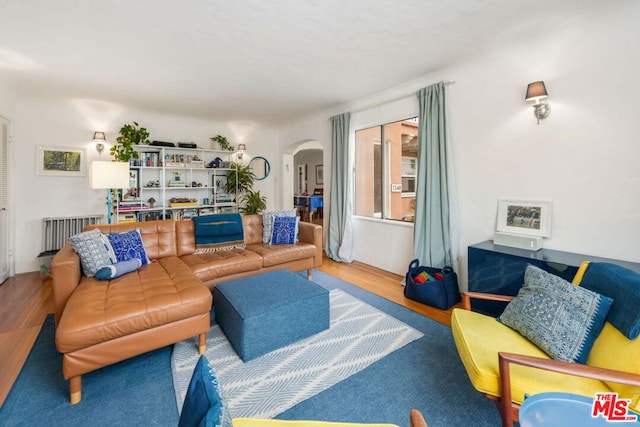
column 613, row 350
column 479, row 338
column 255, row 422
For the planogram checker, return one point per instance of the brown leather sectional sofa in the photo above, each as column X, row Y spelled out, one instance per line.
column 99, row 323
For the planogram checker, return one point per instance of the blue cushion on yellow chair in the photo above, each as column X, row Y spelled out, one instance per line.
column 621, row 284
column 562, row 319
column 204, row 404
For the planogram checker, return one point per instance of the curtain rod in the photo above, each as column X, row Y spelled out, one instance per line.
column 397, row 98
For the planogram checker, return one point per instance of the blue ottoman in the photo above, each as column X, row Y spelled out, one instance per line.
column 262, row 313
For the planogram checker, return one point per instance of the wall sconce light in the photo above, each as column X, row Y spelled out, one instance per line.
column 537, row 91
column 99, row 138
column 241, row 149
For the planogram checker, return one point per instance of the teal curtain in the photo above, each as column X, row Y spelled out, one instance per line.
column 431, row 238
column 338, row 245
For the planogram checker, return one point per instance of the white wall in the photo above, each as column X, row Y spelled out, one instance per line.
column 71, row 122
column 583, row 157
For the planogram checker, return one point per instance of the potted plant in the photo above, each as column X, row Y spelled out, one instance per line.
column 254, row 203
column 223, row 142
column 130, row 135
column 239, row 179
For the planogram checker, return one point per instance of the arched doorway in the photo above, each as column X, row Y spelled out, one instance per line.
column 303, row 171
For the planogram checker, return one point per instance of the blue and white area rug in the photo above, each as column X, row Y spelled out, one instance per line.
column 359, row 335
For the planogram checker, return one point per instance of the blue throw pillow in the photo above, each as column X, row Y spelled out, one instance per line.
column 118, row 269
column 268, row 218
column 204, row 404
column 93, row 249
column 562, row 319
column 128, row 245
column 621, row 284
column 284, row 230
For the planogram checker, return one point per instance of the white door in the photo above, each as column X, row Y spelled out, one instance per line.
column 4, row 199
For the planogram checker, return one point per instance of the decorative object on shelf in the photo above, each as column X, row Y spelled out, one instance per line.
column 152, row 202
column 241, row 149
column 215, row 163
column 260, row 168
column 187, row 145
column 223, row 142
column 130, row 135
column 99, row 138
column 182, row 201
column 61, row 161
column 537, row 91
column 109, row 175
column 253, row 203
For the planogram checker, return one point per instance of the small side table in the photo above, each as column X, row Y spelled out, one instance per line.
column 564, row 409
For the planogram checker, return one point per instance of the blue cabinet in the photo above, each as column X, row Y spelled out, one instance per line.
column 500, row 270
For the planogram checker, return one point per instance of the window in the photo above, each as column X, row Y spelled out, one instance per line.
column 409, row 175
column 386, row 164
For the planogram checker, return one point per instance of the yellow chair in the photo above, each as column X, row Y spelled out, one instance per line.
column 488, row 348
column 415, row 420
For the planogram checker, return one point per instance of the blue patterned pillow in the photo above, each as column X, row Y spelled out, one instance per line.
column 562, row 319
column 267, row 222
column 128, row 245
column 204, row 404
column 284, row 230
column 93, row 249
column 118, row 269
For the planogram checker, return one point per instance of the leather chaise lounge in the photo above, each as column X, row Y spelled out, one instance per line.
column 99, row 323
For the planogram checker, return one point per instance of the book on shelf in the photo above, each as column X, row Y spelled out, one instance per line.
column 130, row 217
column 130, row 201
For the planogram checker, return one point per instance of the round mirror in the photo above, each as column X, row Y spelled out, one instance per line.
column 260, row 167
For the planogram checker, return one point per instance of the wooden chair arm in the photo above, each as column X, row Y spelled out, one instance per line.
column 416, row 419
column 466, row 298
column 506, row 359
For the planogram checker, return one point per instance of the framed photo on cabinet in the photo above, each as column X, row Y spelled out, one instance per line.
column 532, row 218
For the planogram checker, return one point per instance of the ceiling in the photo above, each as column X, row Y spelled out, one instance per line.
column 262, row 61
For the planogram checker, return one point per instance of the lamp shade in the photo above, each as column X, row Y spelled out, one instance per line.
column 536, row 91
column 99, row 136
column 109, row 175
column 242, row 147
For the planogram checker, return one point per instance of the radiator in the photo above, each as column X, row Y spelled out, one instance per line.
column 56, row 231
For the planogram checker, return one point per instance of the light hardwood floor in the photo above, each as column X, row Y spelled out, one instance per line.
column 25, row 302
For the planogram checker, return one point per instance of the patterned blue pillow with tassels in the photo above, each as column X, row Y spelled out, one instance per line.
column 562, row 319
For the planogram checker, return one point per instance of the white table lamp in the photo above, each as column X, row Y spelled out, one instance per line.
column 109, row 175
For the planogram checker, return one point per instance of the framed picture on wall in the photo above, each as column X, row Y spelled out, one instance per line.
column 61, row 161
column 319, row 175
column 532, row 218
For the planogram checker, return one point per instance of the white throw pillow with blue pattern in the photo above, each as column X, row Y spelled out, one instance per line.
column 93, row 248
column 562, row 319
